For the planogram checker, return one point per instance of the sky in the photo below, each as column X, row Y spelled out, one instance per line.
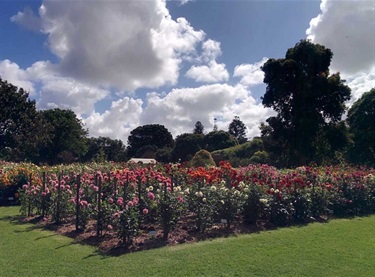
column 120, row 64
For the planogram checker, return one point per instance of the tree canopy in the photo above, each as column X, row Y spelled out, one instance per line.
column 67, row 137
column 361, row 119
column 146, row 138
column 105, row 149
column 22, row 131
column 306, row 98
column 186, row 145
column 238, row 129
column 216, row 140
column 198, row 128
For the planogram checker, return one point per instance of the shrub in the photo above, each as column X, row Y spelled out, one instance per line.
column 202, row 158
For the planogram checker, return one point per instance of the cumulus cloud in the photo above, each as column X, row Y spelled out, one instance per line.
column 13, row 74
column 126, row 45
column 27, row 19
column 250, row 74
column 347, row 28
column 360, row 83
column 116, row 44
column 53, row 91
column 210, row 71
column 118, row 121
column 181, row 108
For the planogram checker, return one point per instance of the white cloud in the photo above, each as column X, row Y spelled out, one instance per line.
column 360, row 83
column 212, row 73
column 129, row 45
column 13, row 74
column 211, row 50
column 27, row 19
column 347, row 28
column 181, row 108
column 118, row 121
column 118, row 44
column 250, row 74
column 184, row 2
column 53, row 91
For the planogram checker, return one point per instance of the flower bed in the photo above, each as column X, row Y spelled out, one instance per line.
column 131, row 202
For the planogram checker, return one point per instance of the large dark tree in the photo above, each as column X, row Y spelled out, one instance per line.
column 67, row 135
column 198, row 128
column 22, row 131
column 306, row 98
column 361, row 119
column 186, row 145
column 217, row 140
column 105, row 148
column 147, row 139
column 238, row 129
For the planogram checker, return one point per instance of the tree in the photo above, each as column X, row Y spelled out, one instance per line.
column 164, row 155
column 186, row 145
column 306, row 98
column 198, row 128
column 238, row 129
column 67, row 137
column 361, row 119
column 153, row 135
column 22, row 131
column 105, row 148
column 217, row 140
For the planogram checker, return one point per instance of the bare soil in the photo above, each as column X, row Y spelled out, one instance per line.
column 108, row 243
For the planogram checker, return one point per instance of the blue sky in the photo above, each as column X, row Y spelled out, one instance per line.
column 121, row 64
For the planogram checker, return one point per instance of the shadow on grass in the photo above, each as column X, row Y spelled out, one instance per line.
column 108, row 245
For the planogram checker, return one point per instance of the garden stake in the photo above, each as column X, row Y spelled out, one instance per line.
column 58, row 199
column 77, row 201
column 99, row 223
column 44, row 197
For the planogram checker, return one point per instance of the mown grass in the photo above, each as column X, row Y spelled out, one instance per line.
column 342, row 247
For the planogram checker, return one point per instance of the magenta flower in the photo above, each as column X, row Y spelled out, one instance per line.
column 150, row 195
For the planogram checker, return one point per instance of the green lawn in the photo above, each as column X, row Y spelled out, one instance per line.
column 344, row 247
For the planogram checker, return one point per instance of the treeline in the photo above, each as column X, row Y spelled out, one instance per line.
column 307, row 129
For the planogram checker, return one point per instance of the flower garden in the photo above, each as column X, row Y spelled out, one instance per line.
column 128, row 201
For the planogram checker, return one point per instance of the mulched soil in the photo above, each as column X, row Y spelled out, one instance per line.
column 109, row 244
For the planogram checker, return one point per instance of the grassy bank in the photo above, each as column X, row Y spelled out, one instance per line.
column 344, row 247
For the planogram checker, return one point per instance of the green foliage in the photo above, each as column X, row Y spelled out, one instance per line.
column 104, row 149
column 305, row 97
column 67, row 137
column 361, row 119
column 153, row 136
column 164, row 155
column 186, row 145
column 259, row 157
column 198, row 128
column 22, row 130
column 243, row 154
column 202, row 158
column 216, row 140
column 238, row 129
